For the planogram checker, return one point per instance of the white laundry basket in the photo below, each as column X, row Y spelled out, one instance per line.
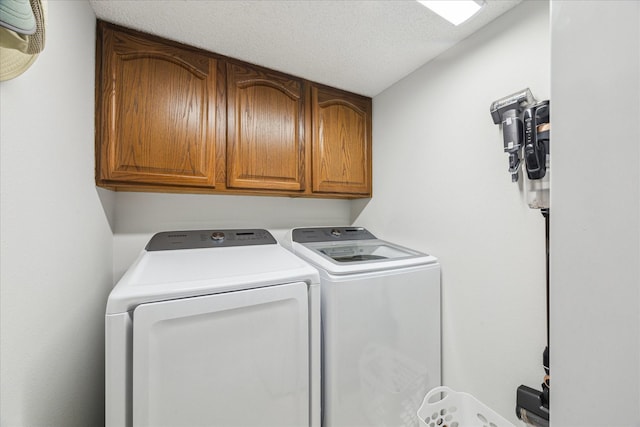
column 444, row 407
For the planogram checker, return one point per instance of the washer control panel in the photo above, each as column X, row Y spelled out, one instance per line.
column 329, row 234
column 200, row 239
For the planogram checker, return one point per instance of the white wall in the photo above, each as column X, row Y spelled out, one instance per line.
column 595, row 227
column 140, row 215
column 441, row 185
column 56, row 242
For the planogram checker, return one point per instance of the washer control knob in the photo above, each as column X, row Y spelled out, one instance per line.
column 217, row 236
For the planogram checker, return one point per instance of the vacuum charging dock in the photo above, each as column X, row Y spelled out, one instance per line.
column 532, row 406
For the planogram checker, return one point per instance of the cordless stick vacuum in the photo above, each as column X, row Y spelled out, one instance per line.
column 526, row 127
column 508, row 112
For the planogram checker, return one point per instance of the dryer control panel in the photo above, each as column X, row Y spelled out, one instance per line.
column 200, row 239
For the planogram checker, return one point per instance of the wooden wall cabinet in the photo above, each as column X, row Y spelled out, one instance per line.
column 265, row 130
column 341, row 142
column 173, row 118
column 156, row 115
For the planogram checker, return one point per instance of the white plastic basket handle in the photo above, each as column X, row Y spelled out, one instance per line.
column 457, row 400
column 434, row 391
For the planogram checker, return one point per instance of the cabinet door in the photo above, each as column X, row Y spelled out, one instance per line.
column 157, row 112
column 341, row 142
column 265, row 130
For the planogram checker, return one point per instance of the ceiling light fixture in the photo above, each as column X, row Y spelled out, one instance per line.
column 454, row 11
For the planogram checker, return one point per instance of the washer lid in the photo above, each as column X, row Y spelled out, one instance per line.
column 356, row 256
column 159, row 275
column 358, row 251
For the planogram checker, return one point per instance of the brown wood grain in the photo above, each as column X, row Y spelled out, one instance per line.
column 158, row 113
column 174, row 118
column 341, row 142
column 265, row 129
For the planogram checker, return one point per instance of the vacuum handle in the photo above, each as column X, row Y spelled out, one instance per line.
column 534, row 151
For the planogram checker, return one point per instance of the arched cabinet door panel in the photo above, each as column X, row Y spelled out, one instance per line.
column 157, row 112
column 265, row 129
column 341, row 155
column 175, row 118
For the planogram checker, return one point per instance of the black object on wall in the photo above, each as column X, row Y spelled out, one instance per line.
column 526, row 127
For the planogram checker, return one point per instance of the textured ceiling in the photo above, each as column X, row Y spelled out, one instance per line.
column 360, row 46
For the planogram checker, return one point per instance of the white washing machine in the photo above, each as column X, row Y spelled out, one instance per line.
column 380, row 325
column 214, row 328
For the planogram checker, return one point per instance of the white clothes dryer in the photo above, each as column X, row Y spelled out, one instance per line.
column 380, row 325
column 214, row 328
